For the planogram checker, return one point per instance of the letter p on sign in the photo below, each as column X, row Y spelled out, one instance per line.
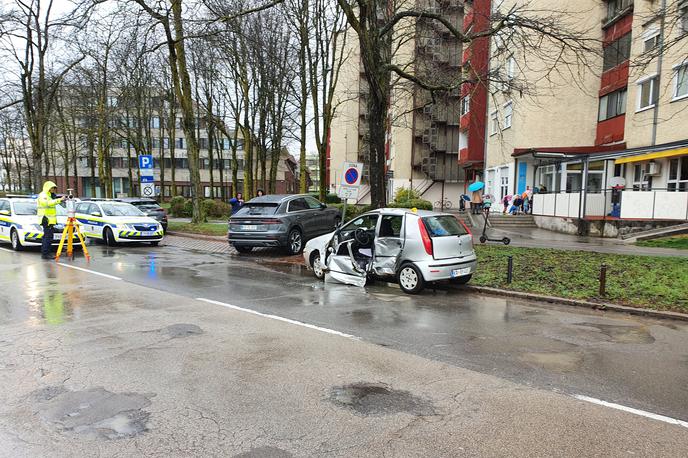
column 145, row 161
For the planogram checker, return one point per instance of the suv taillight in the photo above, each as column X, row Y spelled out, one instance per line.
column 427, row 241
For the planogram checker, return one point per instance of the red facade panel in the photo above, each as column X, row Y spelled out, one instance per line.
column 614, row 79
column 610, row 130
column 619, row 29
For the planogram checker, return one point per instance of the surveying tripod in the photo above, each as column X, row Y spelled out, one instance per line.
column 69, row 230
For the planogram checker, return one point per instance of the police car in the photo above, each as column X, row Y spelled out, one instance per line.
column 116, row 222
column 19, row 222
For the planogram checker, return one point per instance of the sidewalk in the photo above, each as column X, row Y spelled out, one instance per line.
column 542, row 238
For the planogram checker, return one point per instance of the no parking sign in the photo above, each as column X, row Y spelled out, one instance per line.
column 351, row 180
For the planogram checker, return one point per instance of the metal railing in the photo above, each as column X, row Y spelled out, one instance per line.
column 656, row 204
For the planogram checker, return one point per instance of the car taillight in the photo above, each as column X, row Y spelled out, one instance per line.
column 468, row 231
column 270, row 221
column 427, row 241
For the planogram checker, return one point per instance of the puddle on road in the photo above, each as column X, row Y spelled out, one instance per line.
column 378, row 399
column 181, row 330
column 623, row 334
column 554, row 361
column 95, row 413
column 265, row 452
column 52, row 306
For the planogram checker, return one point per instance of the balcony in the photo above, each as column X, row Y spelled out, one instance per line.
column 616, row 9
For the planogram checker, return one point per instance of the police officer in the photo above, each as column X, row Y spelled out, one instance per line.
column 47, row 215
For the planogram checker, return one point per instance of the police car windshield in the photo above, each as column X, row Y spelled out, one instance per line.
column 121, row 210
column 25, row 208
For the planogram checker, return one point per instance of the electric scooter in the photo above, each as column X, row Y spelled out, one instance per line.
column 484, row 238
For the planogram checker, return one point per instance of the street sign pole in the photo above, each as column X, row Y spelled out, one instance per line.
column 350, row 184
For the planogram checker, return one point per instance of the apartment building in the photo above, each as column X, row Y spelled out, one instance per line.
column 423, row 139
column 171, row 163
column 611, row 146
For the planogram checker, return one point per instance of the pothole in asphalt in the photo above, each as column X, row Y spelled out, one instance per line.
column 379, row 399
column 555, row 361
column 623, row 334
column 181, row 330
column 265, row 452
column 95, row 413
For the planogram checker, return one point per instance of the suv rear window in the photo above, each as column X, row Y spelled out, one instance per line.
column 255, row 209
column 444, row 226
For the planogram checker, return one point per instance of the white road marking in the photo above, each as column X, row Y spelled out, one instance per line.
column 642, row 413
column 279, row 318
column 111, row 277
column 7, row 249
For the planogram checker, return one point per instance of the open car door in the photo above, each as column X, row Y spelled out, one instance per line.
column 389, row 243
column 352, row 255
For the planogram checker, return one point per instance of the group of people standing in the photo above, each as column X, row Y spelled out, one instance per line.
column 515, row 204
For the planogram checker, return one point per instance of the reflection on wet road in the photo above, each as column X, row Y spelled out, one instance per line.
column 604, row 355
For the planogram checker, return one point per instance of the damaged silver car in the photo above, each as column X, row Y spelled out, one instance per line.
column 413, row 247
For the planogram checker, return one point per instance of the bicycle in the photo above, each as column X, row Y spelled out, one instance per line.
column 446, row 204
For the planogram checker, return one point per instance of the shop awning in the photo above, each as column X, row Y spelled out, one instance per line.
column 653, row 155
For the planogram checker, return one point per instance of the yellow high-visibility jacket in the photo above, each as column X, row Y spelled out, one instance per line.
column 46, row 204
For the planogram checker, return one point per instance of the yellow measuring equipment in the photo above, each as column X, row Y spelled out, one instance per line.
column 68, row 232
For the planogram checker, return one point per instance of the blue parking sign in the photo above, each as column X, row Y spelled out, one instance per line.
column 145, row 161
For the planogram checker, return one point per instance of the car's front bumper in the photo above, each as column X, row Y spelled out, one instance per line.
column 138, row 236
column 34, row 238
column 437, row 270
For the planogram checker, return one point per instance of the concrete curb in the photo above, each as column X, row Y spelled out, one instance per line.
column 210, row 238
column 605, row 306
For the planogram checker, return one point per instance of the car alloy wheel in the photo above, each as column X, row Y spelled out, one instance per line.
column 295, row 241
column 318, row 268
column 410, row 279
column 16, row 243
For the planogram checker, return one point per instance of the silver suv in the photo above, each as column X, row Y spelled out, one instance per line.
column 414, row 247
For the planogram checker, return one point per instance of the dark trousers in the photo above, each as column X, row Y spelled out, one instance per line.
column 46, row 244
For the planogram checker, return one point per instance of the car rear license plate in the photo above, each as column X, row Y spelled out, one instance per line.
column 249, row 227
column 460, row 272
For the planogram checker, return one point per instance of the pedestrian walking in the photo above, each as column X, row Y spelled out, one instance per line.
column 505, row 203
column 476, row 201
column 47, row 215
column 236, row 202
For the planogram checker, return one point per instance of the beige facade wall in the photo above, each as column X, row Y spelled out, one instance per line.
column 672, row 113
column 558, row 108
column 347, row 101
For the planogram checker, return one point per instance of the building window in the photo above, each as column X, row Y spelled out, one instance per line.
column 641, row 180
column 683, row 15
column 678, row 174
column 155, row 122
column 510, row 68
column 617, row 52
column 503, row 182
column 612, row 105
column 203, row 143
column 615, row 7
column 650, row 40
column 494, row 122
column 647, row 93
column 508, row 114
column 465, row 105
column 620, row 170
column 179, row 143
column 681, row 81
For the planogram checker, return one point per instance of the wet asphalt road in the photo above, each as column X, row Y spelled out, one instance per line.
column 637, row 362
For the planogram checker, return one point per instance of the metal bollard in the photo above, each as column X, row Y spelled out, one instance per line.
column 509, row 269
column 603, row 279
